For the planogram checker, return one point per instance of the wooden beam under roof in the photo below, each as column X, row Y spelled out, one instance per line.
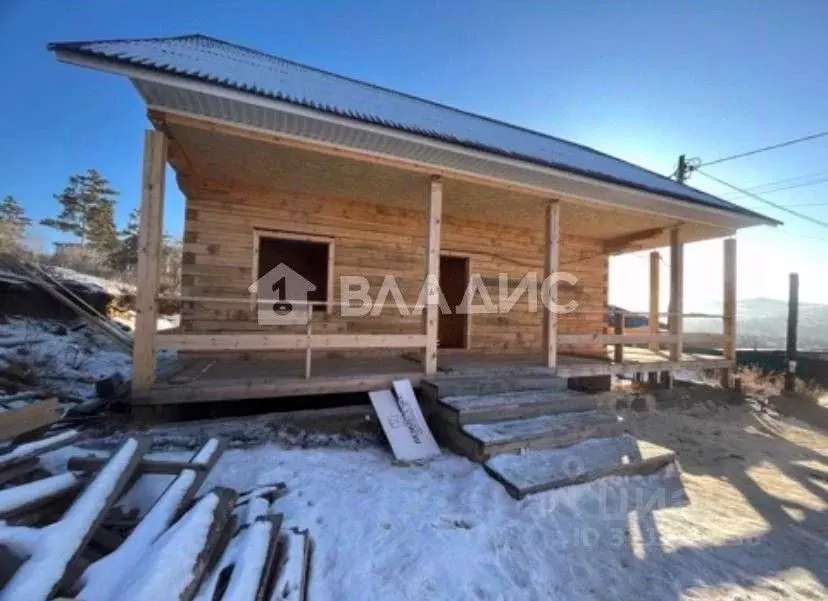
column 621, row 243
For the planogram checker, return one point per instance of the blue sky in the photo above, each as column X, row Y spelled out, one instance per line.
column 642, row 80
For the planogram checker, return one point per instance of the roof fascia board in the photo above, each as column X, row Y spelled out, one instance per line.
column 656, row 204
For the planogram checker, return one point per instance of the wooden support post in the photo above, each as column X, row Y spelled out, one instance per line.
column 676, row 293
column 432, row 273
column 793, row 321
column 309, row 343
column 150, row 237
column 655, row 260
column 653, row 318
column 729, row 309
column 553, row 243
column 619, row 331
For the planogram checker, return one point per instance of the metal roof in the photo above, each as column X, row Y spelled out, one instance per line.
column 227, row 65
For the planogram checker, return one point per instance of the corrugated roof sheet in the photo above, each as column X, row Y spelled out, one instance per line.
column 231, row 66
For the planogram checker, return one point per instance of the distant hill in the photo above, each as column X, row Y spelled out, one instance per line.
column 762, row 324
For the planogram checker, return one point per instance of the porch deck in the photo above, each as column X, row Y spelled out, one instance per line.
column 225, row 379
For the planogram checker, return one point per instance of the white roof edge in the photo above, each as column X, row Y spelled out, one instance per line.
column 625, row 196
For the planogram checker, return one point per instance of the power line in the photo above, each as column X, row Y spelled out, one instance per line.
column 769, row 189
column 810, row 204
column 767, row 202
column 802, row 204
column 824, row 240
column 805, row 179
column 765, row 149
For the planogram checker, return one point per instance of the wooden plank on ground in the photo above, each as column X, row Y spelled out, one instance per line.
column 210, row 454
column 245, row 568
column 19, row 469
column 414, row 419
column 25, row 497
column 294, row 568
column 20, row 421
column 103, row 578
column 191, row 545
column 51, row 552
column 22, row 452
column 408, row 439
column 147, row 466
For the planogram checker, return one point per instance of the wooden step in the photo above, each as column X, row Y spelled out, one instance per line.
column 492, row 383
column 472, row 409
column 536, row 471
column 548, row 431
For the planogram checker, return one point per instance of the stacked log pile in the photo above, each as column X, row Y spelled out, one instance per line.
column 63, row 536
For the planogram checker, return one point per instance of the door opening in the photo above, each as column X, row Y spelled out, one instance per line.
column 453, row 329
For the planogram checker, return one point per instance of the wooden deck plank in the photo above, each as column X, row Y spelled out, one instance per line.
column 236, row 378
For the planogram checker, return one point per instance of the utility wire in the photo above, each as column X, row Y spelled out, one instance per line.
column 790, row 180
column 764, row 149
column 810, row 204
column 800, row 204
column 760, row 199
column 824, row 240
column 773, row 187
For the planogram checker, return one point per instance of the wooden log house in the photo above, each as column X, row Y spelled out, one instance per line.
column 283, row 163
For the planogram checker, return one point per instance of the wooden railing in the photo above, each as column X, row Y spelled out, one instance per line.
column 308, row 341
column 282, row 342
column 619, row 335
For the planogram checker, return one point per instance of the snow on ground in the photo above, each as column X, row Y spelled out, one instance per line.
column 164, row 322
column 755, row 527
column 61, row 361
column 107, row 285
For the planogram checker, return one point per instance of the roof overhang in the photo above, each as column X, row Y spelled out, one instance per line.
column 189, row 97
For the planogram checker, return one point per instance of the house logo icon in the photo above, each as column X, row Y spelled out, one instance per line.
column 281, row 296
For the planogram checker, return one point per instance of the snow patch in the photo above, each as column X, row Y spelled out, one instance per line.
column 64, row 362
column 91, row 282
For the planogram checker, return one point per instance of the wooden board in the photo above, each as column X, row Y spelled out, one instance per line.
column 249, row 342
column 150, row 235
column 408, row 440
column 38, row 415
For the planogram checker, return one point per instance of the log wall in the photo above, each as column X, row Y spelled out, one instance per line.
column 374, row 240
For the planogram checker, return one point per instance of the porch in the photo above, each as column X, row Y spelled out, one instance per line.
column 204, row 379
column 372, row 219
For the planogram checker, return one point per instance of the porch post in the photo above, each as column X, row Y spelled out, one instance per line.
column 676, row 293
column 655, row 259
column 432, row 273
column 150, row 233
column 729, row 308
column 552, row 254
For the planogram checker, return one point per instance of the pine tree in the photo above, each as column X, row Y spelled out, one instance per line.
column 101, row 231
column 88, row 203
column 127, row 254
column 13, row 222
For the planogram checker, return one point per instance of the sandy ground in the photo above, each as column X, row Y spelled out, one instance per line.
column 758, row 490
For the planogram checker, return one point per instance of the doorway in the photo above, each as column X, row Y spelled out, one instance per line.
column 453, row 329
